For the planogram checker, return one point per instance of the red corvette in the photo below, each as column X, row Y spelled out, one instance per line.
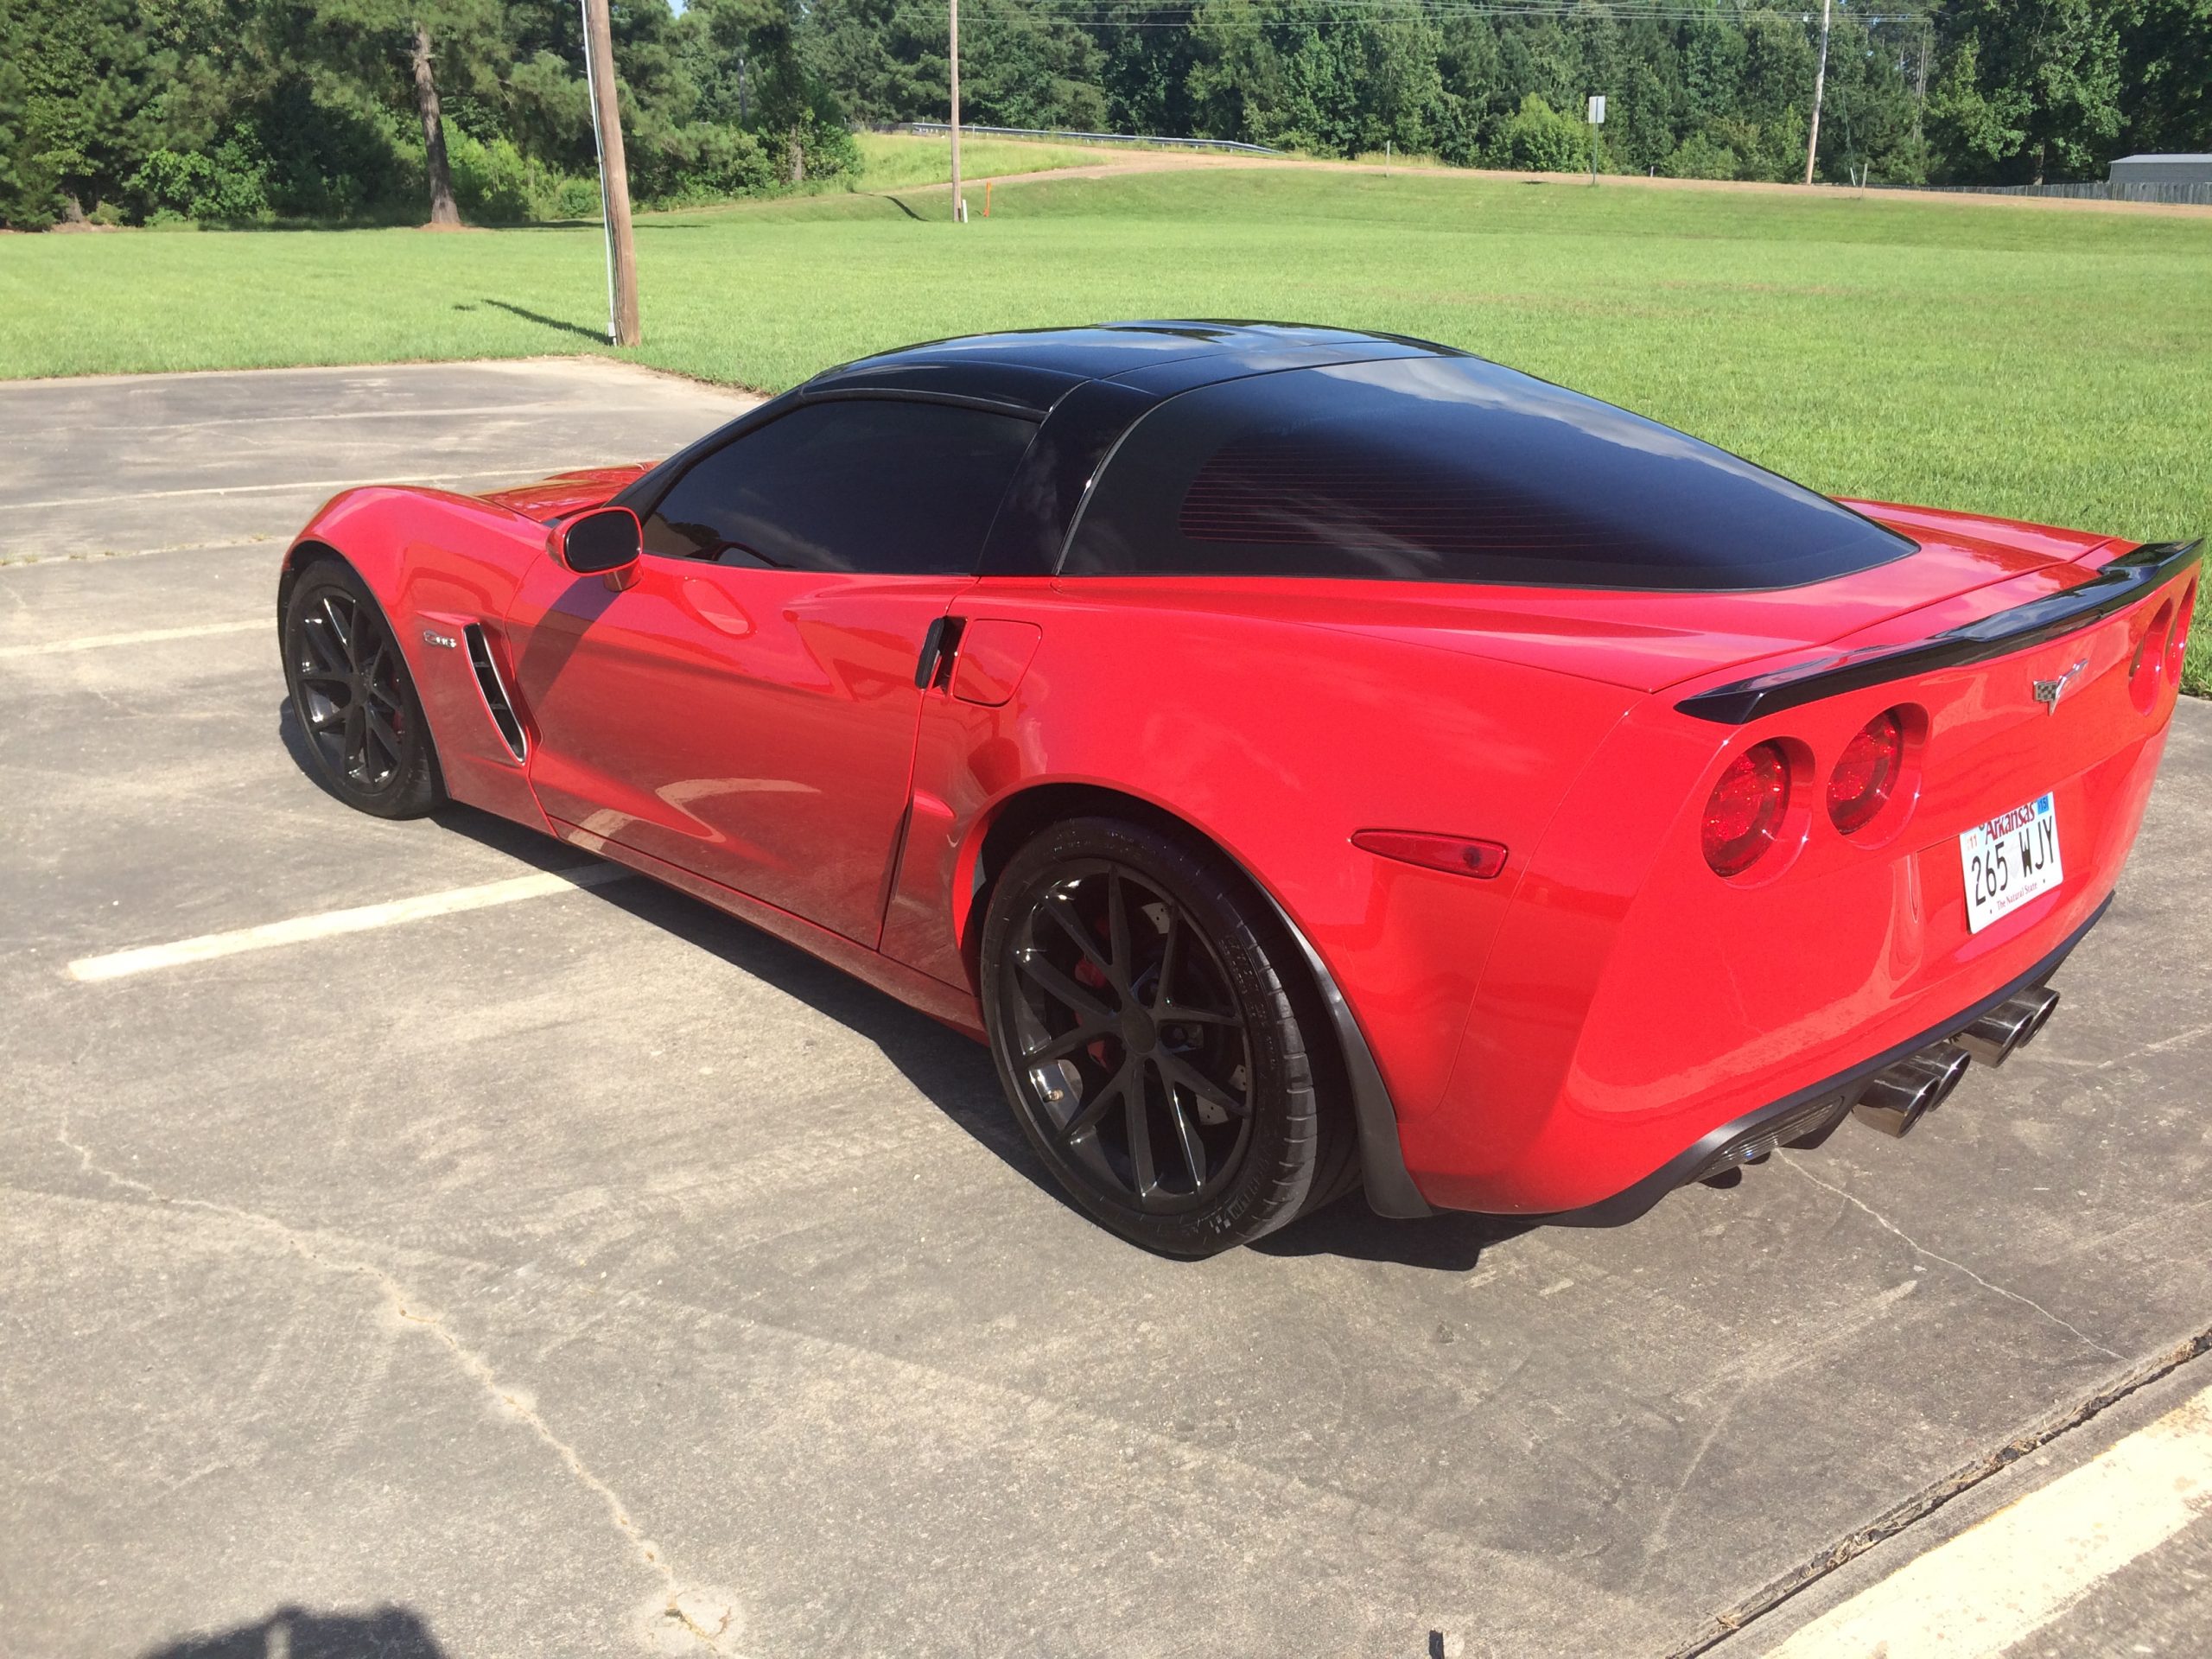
column 1308, row 757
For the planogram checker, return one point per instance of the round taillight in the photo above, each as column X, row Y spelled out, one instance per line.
column 1865, row 772
column 2178, row 649
column 1744, row 815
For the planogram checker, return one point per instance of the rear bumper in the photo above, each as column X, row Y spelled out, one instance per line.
column 1807, row 1113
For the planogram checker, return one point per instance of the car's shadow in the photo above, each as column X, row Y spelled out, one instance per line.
column 952, row 1071
column 383, row 1633
column 1445, row 1243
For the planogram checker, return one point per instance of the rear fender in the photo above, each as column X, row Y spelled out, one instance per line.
column 1383, row 735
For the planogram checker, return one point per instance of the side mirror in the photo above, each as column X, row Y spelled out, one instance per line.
column 605, row 541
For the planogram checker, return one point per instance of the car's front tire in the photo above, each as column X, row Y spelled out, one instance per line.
column 1155, row 1036
column 363, row 724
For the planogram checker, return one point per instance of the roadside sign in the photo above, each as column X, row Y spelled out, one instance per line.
column 1597, row 110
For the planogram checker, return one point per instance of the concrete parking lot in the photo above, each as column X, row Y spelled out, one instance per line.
column 590, row 1273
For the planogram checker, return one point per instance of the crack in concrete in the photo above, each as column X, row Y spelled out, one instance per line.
column 2163, row 1045
column 1334, row 1507
column 2179, row 1040
column 698, row 1614
column 1758, row 1377
column 1918, row 1248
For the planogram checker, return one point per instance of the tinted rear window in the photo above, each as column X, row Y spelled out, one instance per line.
column 1451, row 469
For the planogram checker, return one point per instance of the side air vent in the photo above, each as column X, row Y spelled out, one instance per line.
column 495, row 692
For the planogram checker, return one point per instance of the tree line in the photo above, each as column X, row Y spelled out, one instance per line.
column 372, row 111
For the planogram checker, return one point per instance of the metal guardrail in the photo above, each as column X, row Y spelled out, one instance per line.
column 928, row 128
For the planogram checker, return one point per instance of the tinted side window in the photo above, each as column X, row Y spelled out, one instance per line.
column 1451, row 469
column 899, row 488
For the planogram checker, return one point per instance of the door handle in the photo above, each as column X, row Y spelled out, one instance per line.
column 938, row 647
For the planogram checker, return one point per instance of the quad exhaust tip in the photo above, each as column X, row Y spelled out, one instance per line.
column 2009, row 1026
column 1899, row 1096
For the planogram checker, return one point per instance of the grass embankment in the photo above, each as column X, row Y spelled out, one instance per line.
column 899, row 161
column 2048, row 365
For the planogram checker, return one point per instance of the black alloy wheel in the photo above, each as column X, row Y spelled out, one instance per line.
column 354, row 698
column 1146, row 1039
column 1127, row 1042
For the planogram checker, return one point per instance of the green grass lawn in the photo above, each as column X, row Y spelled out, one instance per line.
column 2052, row 365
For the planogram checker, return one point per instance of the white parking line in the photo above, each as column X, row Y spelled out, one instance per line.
column 299, row 418
column 110, row 498
column 2005, row 1579
column 120, row 963
column 144, row 636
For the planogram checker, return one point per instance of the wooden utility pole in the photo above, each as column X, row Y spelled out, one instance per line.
column 613, row 176
column 959, row 207
column 1820, row 91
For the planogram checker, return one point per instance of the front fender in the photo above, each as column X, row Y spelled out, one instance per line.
column 437, row 563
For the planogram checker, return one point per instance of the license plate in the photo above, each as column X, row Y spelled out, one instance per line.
column 2009, row 860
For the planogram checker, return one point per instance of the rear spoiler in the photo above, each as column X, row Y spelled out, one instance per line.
column 2114, row 588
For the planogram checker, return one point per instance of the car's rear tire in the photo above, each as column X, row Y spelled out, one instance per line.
column 1156, row 1034
column 362, row 723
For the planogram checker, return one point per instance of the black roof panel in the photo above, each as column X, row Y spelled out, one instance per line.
column 1018, row 388
column 1037, row 366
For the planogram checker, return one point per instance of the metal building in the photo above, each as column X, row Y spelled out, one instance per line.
column 2162, row 170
